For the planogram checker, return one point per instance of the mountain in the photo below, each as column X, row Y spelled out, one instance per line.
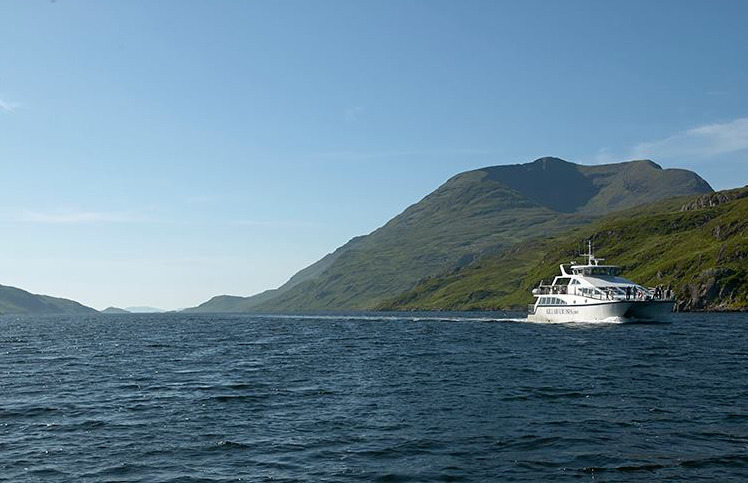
column 115, row 310
column 697, row 245
column 16, row 301
column 144, row 310
column 474, row 214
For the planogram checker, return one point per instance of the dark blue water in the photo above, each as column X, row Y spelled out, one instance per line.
column 380, row 398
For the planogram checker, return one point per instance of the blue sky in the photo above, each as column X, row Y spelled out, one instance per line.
column 160, row 153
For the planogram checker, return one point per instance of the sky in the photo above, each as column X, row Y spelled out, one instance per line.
column 159, row 153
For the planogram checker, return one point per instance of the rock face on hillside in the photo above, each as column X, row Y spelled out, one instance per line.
column 714, row 199
column 474, row 214
column 16, row 301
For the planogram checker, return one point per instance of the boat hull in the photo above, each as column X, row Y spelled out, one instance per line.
column 614, row 311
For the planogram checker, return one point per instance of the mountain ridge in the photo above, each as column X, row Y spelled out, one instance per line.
column 473, row 214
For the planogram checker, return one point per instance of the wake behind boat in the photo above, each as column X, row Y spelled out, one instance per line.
column 597, row 293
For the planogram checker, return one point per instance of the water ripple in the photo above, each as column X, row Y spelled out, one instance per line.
column 371, row 397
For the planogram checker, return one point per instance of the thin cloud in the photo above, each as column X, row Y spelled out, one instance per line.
column 353, row 155
column 604, row 156
column 700, row 142
column 277, row 223
column 8, row 106
column 78, row 218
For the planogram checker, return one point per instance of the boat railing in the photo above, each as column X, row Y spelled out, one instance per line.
column 638, row 293
column 660, row 293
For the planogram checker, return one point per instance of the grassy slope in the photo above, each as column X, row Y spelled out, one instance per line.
column 466, row 219
column 637, row 183
column 702, row 253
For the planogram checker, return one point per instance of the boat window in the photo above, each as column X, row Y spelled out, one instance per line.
column 606, row 271
column 562, row 281
column 551, row 301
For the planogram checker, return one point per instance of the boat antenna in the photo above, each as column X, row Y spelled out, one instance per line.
column 591, row 259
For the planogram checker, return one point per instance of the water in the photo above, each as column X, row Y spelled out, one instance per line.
column 371, row 398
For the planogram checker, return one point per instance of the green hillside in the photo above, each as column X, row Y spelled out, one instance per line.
column 473, row 215
column 698, row 245
column 16, row 301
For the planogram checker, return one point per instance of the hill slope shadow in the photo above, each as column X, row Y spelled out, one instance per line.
column 551, row 182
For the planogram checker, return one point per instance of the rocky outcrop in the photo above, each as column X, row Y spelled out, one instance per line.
column 715, row 289
column 714, row 199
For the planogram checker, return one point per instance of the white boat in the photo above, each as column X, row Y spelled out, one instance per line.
column 597, row 293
